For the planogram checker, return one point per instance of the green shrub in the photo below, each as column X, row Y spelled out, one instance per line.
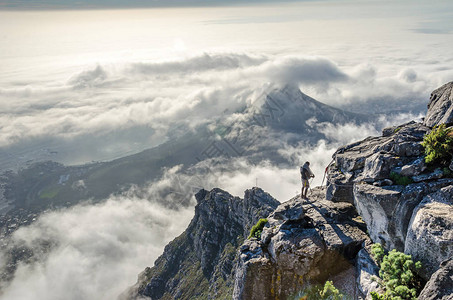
column 377, row 296
column 438, row 145
column 378, row 252
column 398, row 273
column 400, row 179
column 257, row 229
column 319, row 292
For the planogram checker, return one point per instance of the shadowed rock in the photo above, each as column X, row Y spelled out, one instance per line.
column 440, row 286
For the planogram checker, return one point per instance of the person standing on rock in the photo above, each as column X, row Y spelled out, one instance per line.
column 305, row 174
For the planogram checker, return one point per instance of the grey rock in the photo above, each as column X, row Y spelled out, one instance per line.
column 440, row 285
column 339, row 186
column 388, row 131
column 414, row 168
column 384, row 182
column 436, row 174
column 376, row 205
column 451, row 166
column 377, row 166
column 292, row 211
column 388, row 210
column 430, row 233
column 440, row 108
column 367, row 273
column 408, row 148
column 298, row 247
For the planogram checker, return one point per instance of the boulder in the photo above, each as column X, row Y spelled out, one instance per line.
column 377, row 166
column 339, row 186
column 387, row 210
column 430, row 234
column 414, row 168
column 440, row 108
column 440, row 285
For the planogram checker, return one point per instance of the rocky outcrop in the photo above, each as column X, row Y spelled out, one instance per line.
column 388, row 210
column 440, row 107
column 373, row 159
column 200, row 262
column 406, row 204
column 440, row 286
column 303, row 241
column 430, row 235
column 361, row 174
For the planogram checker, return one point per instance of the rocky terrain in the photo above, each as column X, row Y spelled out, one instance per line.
column 303, row 242
column 200, row 263
column 379, row 190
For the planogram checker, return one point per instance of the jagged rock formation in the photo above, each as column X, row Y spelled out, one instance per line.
column 361, row 174
column 304, row 241
column 440, row 107
column 199, row 263
column 405, row 203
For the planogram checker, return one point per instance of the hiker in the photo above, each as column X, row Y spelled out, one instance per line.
column 306, row 174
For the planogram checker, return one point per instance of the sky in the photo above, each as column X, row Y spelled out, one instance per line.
column 79, row 84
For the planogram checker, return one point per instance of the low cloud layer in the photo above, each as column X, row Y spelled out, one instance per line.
column 107, row 100
column 96, row 251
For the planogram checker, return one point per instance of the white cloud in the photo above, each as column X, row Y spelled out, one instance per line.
column 104, row 99
column 97, row 250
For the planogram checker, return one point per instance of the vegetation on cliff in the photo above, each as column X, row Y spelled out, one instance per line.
column 398, row 273
column 257, row 229
column 438, row 145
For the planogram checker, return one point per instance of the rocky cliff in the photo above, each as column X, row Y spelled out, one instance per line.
column 379, row 190
column 303, row 242
column 199, row 264
column 406, row 204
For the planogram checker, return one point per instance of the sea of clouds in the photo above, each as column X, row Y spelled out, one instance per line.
column 107, row 111
column 102, row 110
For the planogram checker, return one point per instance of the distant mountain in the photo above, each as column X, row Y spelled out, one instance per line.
column 255, row 133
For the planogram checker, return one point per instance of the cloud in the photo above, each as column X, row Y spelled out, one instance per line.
column 202, row 63
column 96, row 251
column 89, row 78
column 108, row 100
column 299, row 70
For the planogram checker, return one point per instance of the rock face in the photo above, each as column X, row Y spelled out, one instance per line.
column 430, row 235
column 362, row 175
column 440, row 107
column 406, row 204
column 440, row 286
column 200, row 262
column 302, row 242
